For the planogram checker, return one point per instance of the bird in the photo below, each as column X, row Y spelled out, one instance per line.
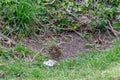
column 55, row 52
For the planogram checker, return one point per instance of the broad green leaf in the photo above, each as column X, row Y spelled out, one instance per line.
column 117, row 25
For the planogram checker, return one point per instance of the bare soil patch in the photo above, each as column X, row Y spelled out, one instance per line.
column 71, row 44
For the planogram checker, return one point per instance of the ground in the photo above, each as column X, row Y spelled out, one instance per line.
column 99, row 61
column 70, row 43
column 102, row 65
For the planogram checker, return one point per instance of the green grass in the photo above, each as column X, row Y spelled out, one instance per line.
column 94, row 65
column 30, row 17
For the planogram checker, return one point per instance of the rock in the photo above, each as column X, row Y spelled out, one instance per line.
column 50, row 63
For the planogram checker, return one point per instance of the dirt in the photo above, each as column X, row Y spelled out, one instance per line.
column 71, row 44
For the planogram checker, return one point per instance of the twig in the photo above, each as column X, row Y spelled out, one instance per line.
column 65, row 29
column 112, row 29
column 109, row 33
column 52, row 37
column 6, row 40
column 15, row 57
column 78, row 33
column 39, row 23
column 37, row 54
column 73, row 31
column 81, row 20
column 2, row 64
column 50, row 2
column 75, row 18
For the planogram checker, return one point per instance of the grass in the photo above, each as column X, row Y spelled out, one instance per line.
column 26, row 18
column 94, row 65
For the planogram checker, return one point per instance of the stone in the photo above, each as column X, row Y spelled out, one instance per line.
column 50, row 63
